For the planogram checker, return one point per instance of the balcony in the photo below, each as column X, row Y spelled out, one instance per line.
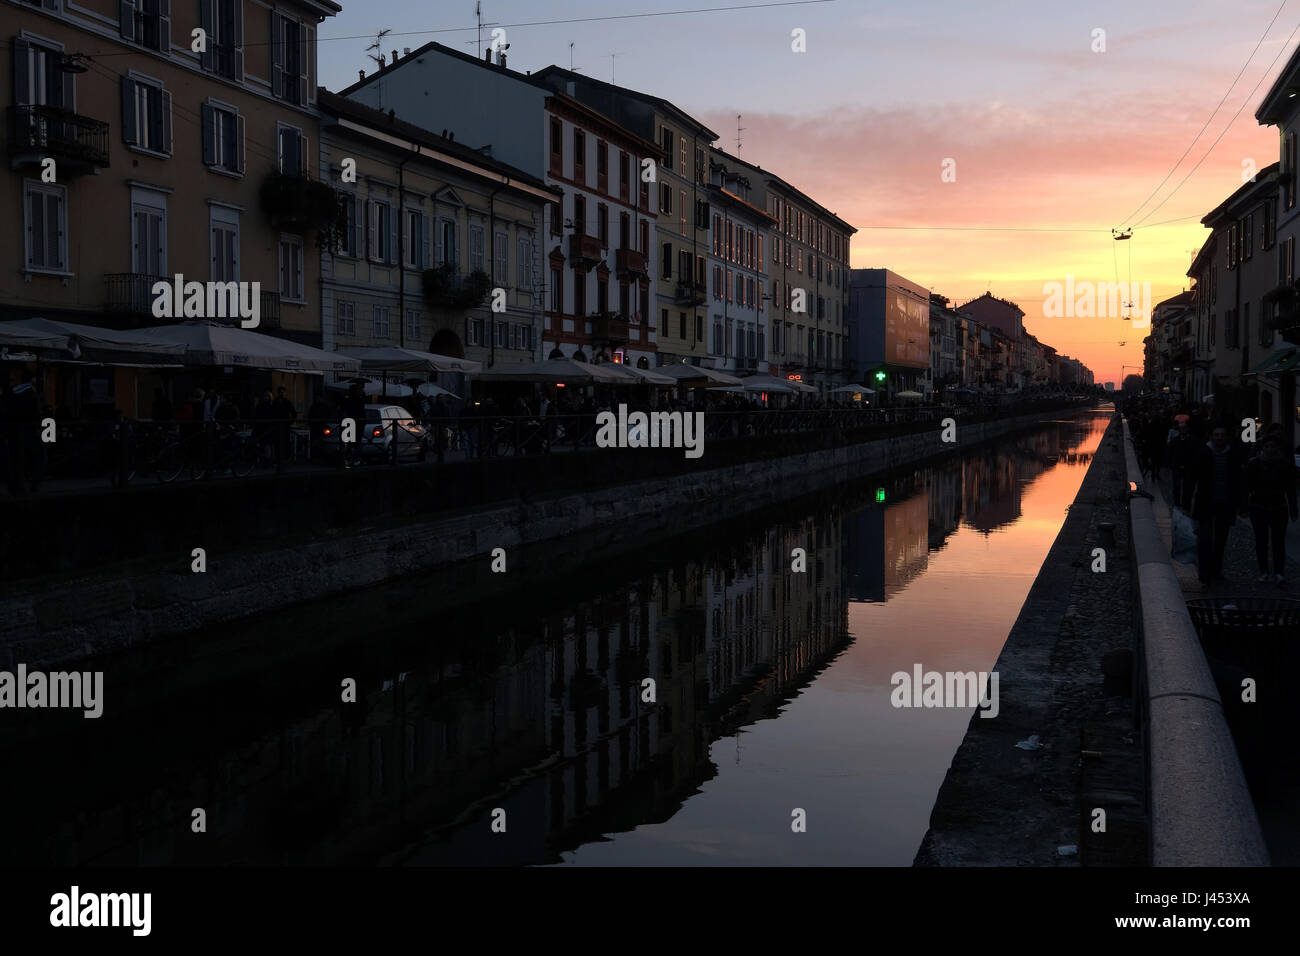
column 75, row 143
column 299, row 204
column 609, row 327
column 584, row 251
column 688, row 294
column 630, row 262
column 129, row 295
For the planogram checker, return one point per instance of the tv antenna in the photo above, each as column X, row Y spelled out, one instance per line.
column 739, row 129
column 572, row 68
column 611, row 65
column 478, row 16
column 378, row 47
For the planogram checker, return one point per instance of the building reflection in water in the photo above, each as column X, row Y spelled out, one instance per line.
column 500, row 707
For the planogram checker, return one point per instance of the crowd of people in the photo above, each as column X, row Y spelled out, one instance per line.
column 1220, row 472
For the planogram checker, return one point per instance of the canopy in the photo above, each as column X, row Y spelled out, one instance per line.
column 433, row 391
column 767, row 383
column 908, row 394
column 371, row 387
column 696, row 376
column 394, row 359
column 643, row 375
column 565, row 371
column 91, row 344
column 206, row 343
column 852, row 390
column 800, row 386
column 16, row 335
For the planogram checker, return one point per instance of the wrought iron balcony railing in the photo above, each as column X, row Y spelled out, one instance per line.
column 41, row 131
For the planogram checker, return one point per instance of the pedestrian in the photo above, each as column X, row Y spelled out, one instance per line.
column 284, row 414
column 1217, row 500
column 1180, row 455
column 1271, row 498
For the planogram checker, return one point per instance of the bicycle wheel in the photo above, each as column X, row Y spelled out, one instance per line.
column 244, row 458
column 170, row 463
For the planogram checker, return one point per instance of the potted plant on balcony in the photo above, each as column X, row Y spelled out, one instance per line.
column 299, row 203
column 444, row 287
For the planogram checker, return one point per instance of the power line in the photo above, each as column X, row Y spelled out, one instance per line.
column 1211, row 116
column 1249, row 98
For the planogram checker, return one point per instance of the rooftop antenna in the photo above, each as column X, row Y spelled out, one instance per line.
column 611, row 66
column 739, row 129
column 377, row 47
column 478, row 17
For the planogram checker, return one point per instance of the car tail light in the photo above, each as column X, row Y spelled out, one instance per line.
column 377, row 433
column 329, row 431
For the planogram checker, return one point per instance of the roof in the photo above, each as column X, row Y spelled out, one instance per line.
column 785, row 186
column 994, row 300
column 337, row 105
column 658, row 102
column 732, row 199
column 1280, row 98
column 1264, row 180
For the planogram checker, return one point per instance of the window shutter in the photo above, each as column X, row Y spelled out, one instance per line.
column 392, row 233
column 239, row 145
column 425, row 263
column 370, row 229
column 237, row 40
column 128, row 111
column 166, row 116
column 208, row 21
column 437, row 241
column 408, row 237
column 126, row 20
column 164, row 25
column 68, row 90
column 308, row 62
column 277, row 54
column 208, row 116
column 155, row 119
column 21, row 91
column 358, row 227
column 304, row 157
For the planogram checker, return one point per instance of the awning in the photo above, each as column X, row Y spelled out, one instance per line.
column 1279, row 361
column 206, row 343
column 394, row 359
column 558, row 371
column 89, row 344
column 696, row 376
column 644, row 375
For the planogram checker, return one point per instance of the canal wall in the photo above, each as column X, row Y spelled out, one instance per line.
column 1201, row 810
column 56, row 618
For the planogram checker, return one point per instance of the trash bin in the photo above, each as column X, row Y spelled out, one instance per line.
column 1257, row 638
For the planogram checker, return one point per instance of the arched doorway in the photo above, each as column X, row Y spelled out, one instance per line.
column 446, row 342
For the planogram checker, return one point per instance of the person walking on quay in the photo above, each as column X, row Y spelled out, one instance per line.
column 1217, row 500
column 1271, row 497
column 283, row 414
column 1181, row 456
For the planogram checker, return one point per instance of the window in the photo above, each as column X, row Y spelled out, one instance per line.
column 717, row 282
column 225, row 244
column 447, row 253
column 624, row 300
column 524, row 269
column 1289, row 174
column 291, row 46
column 668, row 146
column 46, row 226
column 557, row 143
column 292, row 157
column 476, row 248
column 345, row 318
column 580, row 215
column 602, row 158
column 665, row 198
column 349, row 239
column 699, row 165
column 524, row 337
column 717, row 337
column 699, row 328
column 223, row 137
column 557, row 290
column 663, row 322
column 666, row 261
column 147, row 22
column 681, row 210
column 413, row 322
column 223, row 21
column 602, row 293
column 148, row 233
column 292, row 285
column 381, row 232
column 379, row 326
column 38, row 81
column 414, row 240
column 1265, row 333
column 502, row 330
column 580, row 293
column 602, row 224
column 717, row 235
column 681, row 326
column 684, row 266
column 1268, row 229
column 501, row 259
column 1248, row 236
column 579, row 156
column 557, row 218
column 645, row 237
column 146, row 114
column 624, row 230
column 476, row 329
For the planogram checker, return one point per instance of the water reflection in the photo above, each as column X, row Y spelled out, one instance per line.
column 535, row 704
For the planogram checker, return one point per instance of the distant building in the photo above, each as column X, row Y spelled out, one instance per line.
column 888, row 329
column 1110, row 386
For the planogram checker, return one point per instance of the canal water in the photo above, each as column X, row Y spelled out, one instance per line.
column 513, row 728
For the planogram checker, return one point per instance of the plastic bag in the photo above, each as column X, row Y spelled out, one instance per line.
column 1184, row 534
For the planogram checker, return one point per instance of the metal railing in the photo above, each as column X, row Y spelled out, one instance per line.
column 58, row 133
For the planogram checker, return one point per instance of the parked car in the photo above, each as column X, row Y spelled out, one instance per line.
column 389, row 433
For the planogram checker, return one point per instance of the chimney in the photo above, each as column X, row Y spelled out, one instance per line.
column 451, row 137
column 487, row 55
column 502, row 59
column 406, row 51
column 361, row 74
column 394, row 56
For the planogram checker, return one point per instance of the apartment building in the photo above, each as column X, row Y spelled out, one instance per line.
column 599, row 238
column 1204, row 273
column 679, row 196
column 420, row 271
column 132, row 157
column 889, row 330
column 737, row 270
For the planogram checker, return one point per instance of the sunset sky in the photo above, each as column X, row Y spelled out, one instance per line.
column 1045, row 133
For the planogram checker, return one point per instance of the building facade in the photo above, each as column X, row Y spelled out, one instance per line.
column 889, row 330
